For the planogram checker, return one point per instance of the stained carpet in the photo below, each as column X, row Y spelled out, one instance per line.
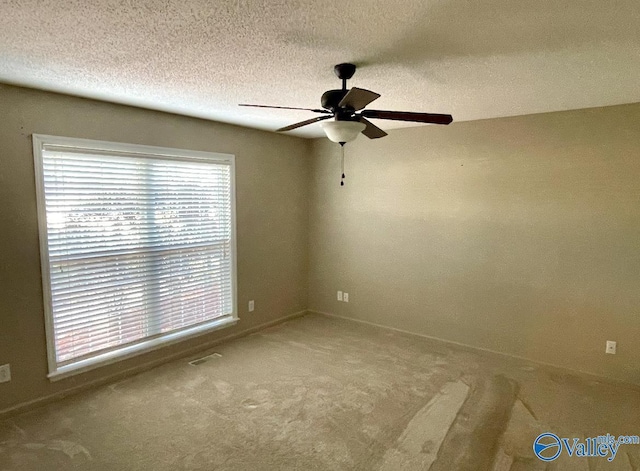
column 319, row 393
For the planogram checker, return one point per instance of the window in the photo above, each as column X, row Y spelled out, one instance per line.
column 137, row 247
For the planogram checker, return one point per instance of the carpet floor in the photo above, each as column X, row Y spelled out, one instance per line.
column 318, row 393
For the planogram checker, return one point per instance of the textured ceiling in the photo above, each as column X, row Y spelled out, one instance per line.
column 473, row 59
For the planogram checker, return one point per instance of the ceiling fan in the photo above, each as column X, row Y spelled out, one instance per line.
column 346, row 107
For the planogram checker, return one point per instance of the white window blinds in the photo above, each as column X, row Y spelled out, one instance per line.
column 139, row 245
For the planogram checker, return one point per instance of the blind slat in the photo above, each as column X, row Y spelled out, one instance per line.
column 77, row 254
column 95, row 322
column 78, row 355
column 88, row 299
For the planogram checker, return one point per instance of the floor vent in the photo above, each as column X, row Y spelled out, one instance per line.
column 202, row 360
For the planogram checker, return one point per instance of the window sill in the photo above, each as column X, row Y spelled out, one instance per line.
column 139, row 348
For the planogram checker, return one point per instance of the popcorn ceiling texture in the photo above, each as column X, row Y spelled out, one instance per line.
column 475, row 60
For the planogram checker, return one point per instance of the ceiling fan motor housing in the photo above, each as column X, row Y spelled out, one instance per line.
column 331, row 99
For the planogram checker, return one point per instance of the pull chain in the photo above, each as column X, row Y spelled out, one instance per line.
column 342, row 164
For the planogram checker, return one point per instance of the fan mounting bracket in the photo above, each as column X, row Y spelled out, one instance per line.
column 344, row 71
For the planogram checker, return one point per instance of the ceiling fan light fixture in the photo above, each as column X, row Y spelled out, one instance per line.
column 347, row 108
column 342, row 131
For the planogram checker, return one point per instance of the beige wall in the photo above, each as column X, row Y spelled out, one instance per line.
column 518, row 235
column 272, row 221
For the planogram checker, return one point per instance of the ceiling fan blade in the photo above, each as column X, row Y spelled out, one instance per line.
column 409, row 116
column 358, row 98
column 287, row 108
column 303, row 123
column 371, row 131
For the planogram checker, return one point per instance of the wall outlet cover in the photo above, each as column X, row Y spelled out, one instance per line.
column 611, row 347
column 5, row 373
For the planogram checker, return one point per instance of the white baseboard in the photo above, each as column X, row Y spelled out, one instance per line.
column 486, row 351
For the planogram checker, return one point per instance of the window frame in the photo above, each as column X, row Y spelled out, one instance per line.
column 57, row 372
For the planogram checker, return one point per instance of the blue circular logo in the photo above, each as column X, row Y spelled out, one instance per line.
column 547, row 446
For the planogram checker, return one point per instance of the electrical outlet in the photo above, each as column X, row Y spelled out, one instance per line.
column 611, row 347
column 339, row 295
column 345, row 297
column 251, row 306
column 5, row 373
